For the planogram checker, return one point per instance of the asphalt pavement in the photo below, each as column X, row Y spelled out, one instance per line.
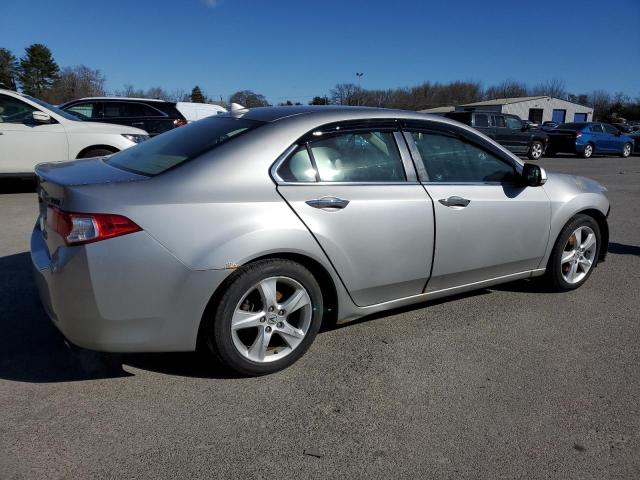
column 507, row 382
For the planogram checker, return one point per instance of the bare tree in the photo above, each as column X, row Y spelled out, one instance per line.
column 507, row 89
column 248, row 99
column 555, row 87
column 76, row 82
column 346, row 94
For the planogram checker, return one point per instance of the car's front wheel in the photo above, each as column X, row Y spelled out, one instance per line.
column 588, row 151
column 535, row 150
column 267, row 318
column 626, row 150
column 575, row 253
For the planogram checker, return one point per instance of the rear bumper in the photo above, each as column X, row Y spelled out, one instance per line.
column 126, row 294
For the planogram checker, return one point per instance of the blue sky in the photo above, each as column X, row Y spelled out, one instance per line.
column 295, row 49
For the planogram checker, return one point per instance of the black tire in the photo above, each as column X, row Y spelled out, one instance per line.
column 588, row 151
column 218, row 334
column 535, row 150
column 96, row 152
column 627, row 149
column 553, row 274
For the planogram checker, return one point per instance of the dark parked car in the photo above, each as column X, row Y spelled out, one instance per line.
column 508, row 130
column 587, row 138
column 154, row 116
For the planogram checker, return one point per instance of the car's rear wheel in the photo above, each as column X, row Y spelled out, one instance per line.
column 267, row 318
column 626, row 150
column 535, row 150
column 575, row 253
column 588, row 151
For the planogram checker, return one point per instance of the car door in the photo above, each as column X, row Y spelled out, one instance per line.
column 613, row 138
column 359, row 197
column 516, row 135
column 24, row 142
column 482, row 123
column 598, row 137
column 487, row 224
column 118, row 113
column 502, row 133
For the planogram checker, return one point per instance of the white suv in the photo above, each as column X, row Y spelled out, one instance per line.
column 32, row 132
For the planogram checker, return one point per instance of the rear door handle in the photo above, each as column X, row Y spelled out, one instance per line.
column 455, row 201
column 328, row 203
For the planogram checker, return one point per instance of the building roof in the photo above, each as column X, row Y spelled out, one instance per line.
column 506, row 101
column 445, row 109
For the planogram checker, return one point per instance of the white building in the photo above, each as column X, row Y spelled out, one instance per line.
column 536, row 109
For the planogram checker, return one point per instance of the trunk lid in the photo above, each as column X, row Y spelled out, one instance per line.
column 56, row 184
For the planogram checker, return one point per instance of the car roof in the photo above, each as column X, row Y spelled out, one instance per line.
column 135, row 99
column 330, row 113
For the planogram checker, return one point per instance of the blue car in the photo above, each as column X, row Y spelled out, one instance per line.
column 587, row 138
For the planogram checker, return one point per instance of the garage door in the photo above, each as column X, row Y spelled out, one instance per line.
column 559, row 116
column 580, row 117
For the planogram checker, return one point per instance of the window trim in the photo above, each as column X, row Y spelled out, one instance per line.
column 350, row 126
column 452, row 131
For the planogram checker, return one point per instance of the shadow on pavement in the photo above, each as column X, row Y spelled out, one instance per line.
column 622, row 249
column 17, row 185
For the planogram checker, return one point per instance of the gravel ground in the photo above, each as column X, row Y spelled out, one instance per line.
column 508, row 382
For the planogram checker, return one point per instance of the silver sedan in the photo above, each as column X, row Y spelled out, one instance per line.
column 240, row 234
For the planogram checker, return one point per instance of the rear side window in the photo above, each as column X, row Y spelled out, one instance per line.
column 597, row 128
column 481, row 120
column 498, row 121
column 180, row 145
column 450, row 159
column 370, row 156
column 610, row 129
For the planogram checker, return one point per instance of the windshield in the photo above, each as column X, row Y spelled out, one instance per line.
column 55, row 110
column 180, row 145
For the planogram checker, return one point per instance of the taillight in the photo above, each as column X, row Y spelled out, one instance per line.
column 179, row 122
column 578, row 134
column 81, row 228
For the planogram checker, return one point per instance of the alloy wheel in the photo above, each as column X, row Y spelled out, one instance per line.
column 627, row 150
column 588, row 151
column 271, row 320
column 578, row 255
column 536, row 151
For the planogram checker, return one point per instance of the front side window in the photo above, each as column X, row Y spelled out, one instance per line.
column 13, row 110
column 180, row 145
column 83, row 110
column 450, row 159
column 513, row 123
column 370, row 156
column 481, row 120
column 498, row 121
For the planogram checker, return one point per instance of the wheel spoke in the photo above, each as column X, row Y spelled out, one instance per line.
column 290, row 334
column 268, row 292
column 578, row 236
column 298, row 299
column 242, row 319
column 567, row 256
column 258, row 349
column 586, row 264
column 589, row 241
column 573, row 272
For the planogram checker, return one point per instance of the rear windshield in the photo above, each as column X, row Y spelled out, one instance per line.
column 571, row 126
column 180, row 145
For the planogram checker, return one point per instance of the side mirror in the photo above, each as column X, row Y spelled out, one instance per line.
column 41, row 117
column 533, row 175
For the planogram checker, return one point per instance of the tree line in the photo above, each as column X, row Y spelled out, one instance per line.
column 36, row 73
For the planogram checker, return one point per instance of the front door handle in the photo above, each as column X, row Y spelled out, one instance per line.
column 455, row 201
column 328, row 203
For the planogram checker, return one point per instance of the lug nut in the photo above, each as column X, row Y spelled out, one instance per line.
column 280, row 324
column 263, row 319
column 281, row 312
column 268, row 329
column 271, row 308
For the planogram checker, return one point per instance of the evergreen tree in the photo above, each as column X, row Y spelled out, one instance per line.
column 196, row 95
column 38, row 70
column 8, row 69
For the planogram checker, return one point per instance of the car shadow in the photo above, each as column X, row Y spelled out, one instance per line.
column 33, row 350
column 622, row 249
column 17, row 185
